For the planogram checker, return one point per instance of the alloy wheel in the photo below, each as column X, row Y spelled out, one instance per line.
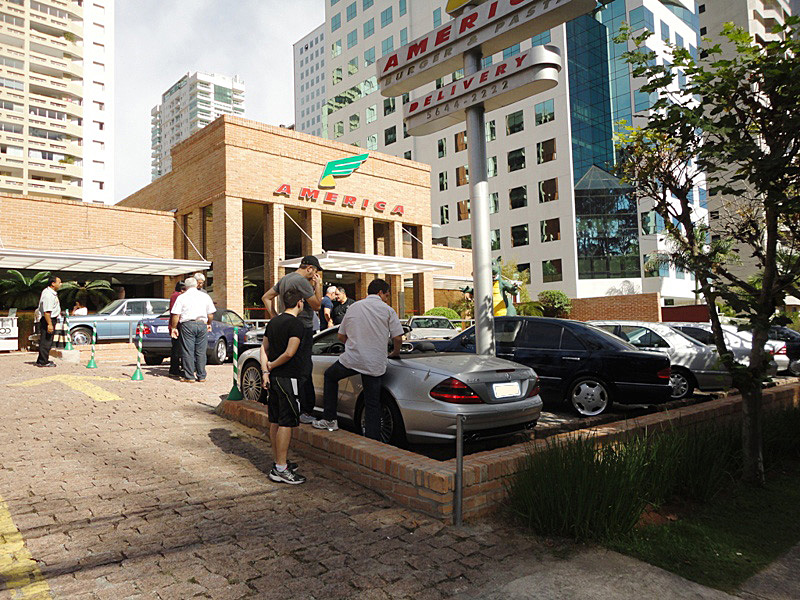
column 252, row 384
column 589, row 397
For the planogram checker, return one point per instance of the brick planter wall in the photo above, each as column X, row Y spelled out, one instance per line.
column 427, row 485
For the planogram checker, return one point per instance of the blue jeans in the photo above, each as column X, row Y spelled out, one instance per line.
column 372, row 397
column 194, row 346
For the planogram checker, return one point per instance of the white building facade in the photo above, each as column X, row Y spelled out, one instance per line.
column 309, row 81
column 555, row 209
column 56, row 98
column 188, row 105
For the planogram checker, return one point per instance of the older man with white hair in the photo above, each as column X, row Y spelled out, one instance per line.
column 190, row 321
column 201, row 282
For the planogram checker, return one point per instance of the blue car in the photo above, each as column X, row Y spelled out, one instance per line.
column 157, row 343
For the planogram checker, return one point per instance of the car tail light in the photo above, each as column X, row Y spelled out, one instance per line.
column 781, row 350
column 146, row 330
column 534, row 389
column 455, row 392
column 665, row 373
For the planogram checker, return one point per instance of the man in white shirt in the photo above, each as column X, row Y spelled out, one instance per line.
column 49, row 311
column 190, row 321
column 366, row 330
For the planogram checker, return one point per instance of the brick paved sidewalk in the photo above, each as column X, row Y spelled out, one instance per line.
column 150, row 495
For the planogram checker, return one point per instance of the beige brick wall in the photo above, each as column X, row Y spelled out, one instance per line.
column 633, row 307
column 72, row 226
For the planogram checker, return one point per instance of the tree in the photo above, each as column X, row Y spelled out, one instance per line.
column 89, row 293
column 555, row 303
column 736, row 118
column 19, row 291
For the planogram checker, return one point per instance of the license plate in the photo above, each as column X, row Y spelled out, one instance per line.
column 506, row 390
column 162, row 329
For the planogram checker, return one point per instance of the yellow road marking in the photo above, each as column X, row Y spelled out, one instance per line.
column 79, row 383
column 18, row 571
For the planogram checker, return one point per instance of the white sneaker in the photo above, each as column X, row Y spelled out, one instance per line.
column 323, row 424
column 306, row 419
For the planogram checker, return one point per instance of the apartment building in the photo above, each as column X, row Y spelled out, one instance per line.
column 555, row 208
column 309, row 81
column 56, row 98
column 188, row 105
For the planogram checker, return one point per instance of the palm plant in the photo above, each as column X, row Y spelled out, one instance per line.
column 19, row 291
column 89, row 293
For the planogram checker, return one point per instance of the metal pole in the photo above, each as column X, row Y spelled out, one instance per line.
column 459, row 482
column 479, row 217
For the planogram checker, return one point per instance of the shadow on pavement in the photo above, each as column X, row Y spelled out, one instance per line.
column 233, row 444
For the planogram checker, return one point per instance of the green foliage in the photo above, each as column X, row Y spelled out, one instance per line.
column 555, row 303
column 530, row 309
column 19, row 291
column 92, row 294
column 443, row 311
column 576, row 489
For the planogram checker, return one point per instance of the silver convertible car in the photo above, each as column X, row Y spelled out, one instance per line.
column 117, row 320
column 423, row 391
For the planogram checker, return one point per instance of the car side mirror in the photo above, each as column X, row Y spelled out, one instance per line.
column 465, row 341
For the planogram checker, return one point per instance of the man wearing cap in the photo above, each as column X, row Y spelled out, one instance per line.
column 306, row 280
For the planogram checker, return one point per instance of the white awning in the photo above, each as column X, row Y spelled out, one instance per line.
column 445, row 282
column 371, row 263
column 41, row 260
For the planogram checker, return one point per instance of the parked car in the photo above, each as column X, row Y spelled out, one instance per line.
column 790, row 337
column 157, row 344
column 740, row 343
column 576, row 362
column 694, row 365
column 430, row 328
column 116, row 320
column 423, row 391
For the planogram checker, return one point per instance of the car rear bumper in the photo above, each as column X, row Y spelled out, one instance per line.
column 713, row 380
column 643, row 393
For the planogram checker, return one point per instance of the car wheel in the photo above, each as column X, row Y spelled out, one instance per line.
column 794, row 367
column 682, row 384
column 252, row 384
column 220, row 353
column 81, row 336
column 393, row 430
column 589, row 396
column 151, row 360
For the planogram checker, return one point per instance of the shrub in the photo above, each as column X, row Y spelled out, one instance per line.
column 443, row 311
column 529, row 309
column 555, row 303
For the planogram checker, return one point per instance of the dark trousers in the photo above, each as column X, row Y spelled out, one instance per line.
column 194, row 346
column 308, row 399
column 372, row 397
column 45, row 342
column 175, row 357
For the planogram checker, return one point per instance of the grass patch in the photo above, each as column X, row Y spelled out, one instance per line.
column 728, row 540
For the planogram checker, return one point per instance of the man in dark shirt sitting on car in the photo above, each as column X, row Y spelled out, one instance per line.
column 283, row 370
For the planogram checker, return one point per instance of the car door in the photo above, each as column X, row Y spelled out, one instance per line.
column 131, row 313
column 539, row 347
column 325, row 351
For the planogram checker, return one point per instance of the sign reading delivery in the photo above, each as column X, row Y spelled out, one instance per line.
column 492, row 26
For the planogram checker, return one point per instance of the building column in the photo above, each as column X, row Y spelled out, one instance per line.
column 394, row 247
column 423, row 282
column 313, row 227
column 365, row 244
column 227, row 249
column 274, row 243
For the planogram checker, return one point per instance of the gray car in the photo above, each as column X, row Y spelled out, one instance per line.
column 694, row 365
column 117, row 320
column 423, row 391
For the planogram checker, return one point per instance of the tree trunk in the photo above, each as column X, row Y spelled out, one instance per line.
column 752, row 417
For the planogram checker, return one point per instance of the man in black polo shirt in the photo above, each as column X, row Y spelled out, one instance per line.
column 282, row 367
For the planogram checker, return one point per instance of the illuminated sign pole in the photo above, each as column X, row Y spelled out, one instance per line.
column 479, row 27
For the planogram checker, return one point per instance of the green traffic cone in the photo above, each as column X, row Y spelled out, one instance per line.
column 137, row 375
column 91, row 364
column 235, row 394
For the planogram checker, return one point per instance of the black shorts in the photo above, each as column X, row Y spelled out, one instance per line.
column 283, row 406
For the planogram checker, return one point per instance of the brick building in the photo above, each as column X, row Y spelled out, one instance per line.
column 251, row 200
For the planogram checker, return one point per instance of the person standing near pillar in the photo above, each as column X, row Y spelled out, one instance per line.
column 366, row 330
column 175, row 351
column 49, row 311
column 306, row 280
column 326, row 312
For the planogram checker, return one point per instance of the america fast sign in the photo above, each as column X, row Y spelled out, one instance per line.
column 492, row 26
column 522, row 75
column 309, row 194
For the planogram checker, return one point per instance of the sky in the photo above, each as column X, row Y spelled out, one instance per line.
column 159, row 41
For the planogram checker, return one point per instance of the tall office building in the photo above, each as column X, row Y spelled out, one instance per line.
column 56, row 92
column 190, row 104
column 309, row 81
column 555, row 208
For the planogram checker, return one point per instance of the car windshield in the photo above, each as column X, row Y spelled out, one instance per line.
column 610, row 341
column 109, row 308
column 431, row 323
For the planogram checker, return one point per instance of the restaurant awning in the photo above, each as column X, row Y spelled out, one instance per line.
column 371, row 263
column 40, row 260
column 446, row 282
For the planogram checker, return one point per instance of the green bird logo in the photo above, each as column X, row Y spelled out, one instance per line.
column 340, row 168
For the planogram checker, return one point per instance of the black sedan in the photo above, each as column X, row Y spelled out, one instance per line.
column 576, row 362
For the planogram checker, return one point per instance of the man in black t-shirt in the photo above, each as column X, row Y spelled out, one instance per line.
column 283, row 369
column 340, row 309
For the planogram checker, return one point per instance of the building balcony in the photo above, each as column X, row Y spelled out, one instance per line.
column 12, row 31
column 62, row 65
column 62, row 86
column 14, row 139
column 60, row 190
column 13, row 184
column 61, row 147
column 62, row 25
column 56, row 43
column 68, row 106
column 53, row 168
column 11, row 161
column 61, row 126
